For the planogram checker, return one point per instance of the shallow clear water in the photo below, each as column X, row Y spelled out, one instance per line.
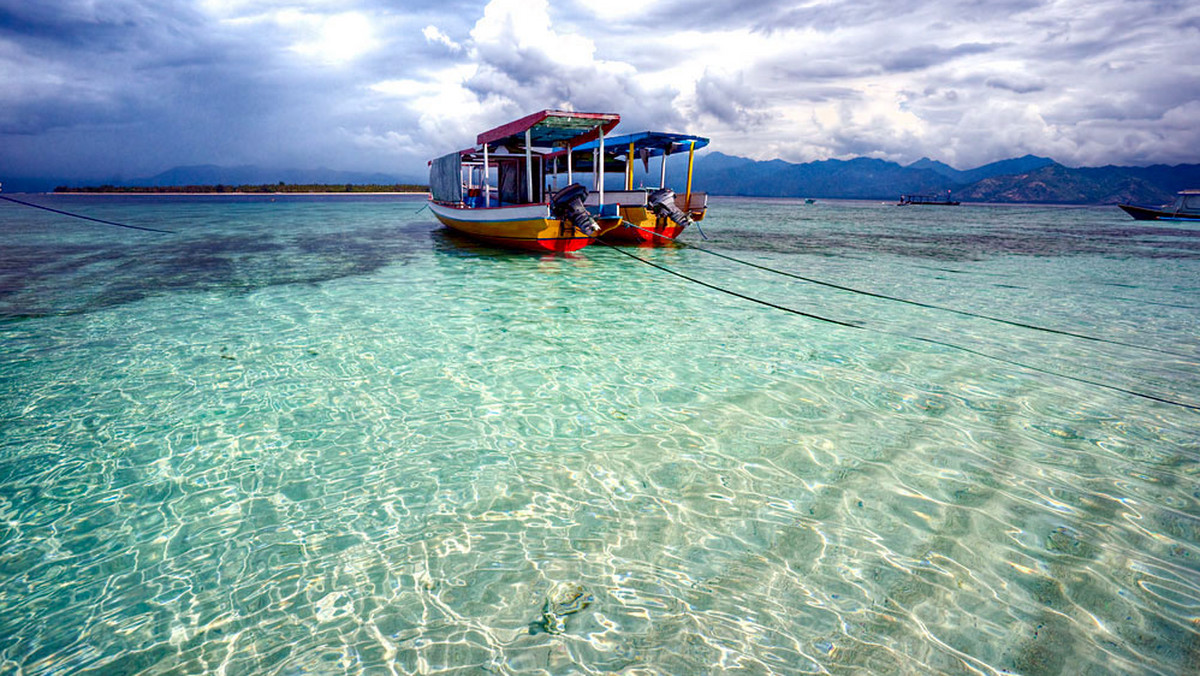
column 322, row 435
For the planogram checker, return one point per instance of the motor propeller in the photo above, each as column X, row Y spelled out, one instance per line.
column 567, row 204
column 662, row 202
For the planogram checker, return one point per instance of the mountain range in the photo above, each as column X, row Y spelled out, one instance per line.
column 1023, row 179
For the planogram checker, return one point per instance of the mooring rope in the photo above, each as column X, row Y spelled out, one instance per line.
column 86, row 218
column 930, row 306
column 932, row 341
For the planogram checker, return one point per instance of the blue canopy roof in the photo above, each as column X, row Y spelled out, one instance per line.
column 655, row 141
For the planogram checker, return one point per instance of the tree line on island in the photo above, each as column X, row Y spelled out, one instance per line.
column 264, row 188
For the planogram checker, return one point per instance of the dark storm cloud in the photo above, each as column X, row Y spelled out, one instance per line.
column 182, row 85
column 1012, row 86
column 729, row 101
column 819, row 69
column 109, row 27
column 919, row 58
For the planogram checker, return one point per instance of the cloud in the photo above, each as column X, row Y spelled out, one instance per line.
column 524, row 63
column 437, row 37
column 1017, row 87
column 137, row 86
column 729, row 101
column 919, row 58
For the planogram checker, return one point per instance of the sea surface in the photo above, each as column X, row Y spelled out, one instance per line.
column 323, row 435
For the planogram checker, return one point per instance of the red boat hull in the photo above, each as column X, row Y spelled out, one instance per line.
column 640, row 226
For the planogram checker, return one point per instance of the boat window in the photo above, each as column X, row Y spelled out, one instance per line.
column 1191, row 202
column 512, row 185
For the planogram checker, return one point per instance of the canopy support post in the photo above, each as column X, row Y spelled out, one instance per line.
column 528, row 167
column 629, row 168
column 487, row 194
column 687, row 200
column 600, row 164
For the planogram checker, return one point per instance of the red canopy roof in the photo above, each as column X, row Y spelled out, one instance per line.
column 551, row 128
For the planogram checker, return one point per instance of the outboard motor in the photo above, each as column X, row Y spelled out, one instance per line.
column 567, row 204
column 662, row 202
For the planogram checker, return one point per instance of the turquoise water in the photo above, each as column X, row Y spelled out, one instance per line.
column 322, row 435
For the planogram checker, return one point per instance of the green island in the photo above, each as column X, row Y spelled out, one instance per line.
column 280, row 187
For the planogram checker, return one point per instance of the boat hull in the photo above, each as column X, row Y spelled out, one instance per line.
column 640, row 226
column 528, row 227
column 1148, row 214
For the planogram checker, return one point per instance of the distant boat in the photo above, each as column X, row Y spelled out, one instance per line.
column 927, row 200
column 518, row 212
column 650, row 215
column 809, row 200
column 1185, row 208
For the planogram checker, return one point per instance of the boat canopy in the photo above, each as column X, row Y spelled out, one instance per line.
column 646, row 144
column 1188, row 201
column 549, row 129
column 657, row 142
column 510, row 149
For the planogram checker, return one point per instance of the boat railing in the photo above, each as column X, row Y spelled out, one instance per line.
column 697, row 201
column 628, row 198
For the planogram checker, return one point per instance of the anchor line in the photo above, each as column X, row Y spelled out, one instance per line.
column 930, row 306
column 86, row 218
column 731, row 292
column 932, row 341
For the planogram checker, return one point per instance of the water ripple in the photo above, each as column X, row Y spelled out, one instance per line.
column 459, row 460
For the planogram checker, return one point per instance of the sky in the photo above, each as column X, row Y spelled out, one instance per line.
column 99, row 89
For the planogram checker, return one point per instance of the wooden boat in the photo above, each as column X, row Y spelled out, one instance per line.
column 649, row 215
column 1185, row 208
column 926, row 200
column 518, row 212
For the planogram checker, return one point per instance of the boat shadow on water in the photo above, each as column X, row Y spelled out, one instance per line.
column 448, row 242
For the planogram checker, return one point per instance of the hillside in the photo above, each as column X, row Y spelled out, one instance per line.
column 1024, row 179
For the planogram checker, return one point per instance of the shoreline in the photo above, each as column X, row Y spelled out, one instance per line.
column 879, row 201
column 218, row 194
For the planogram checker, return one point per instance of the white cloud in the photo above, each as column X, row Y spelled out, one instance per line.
column 435, row 36
column 517, row 61
column 332, row 39
column 515, row 29
column 965, row 82
column 337, row 38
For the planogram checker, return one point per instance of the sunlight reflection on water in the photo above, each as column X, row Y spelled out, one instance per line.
column 325, row 436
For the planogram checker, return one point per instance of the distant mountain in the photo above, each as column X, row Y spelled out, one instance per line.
column 1006, row 168
column 1001, row 168
column 940, row 167
column 860, row 178
column 1086, row 185
column 1023, row 179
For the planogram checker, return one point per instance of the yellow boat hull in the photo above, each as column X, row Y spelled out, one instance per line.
column 529, row 227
